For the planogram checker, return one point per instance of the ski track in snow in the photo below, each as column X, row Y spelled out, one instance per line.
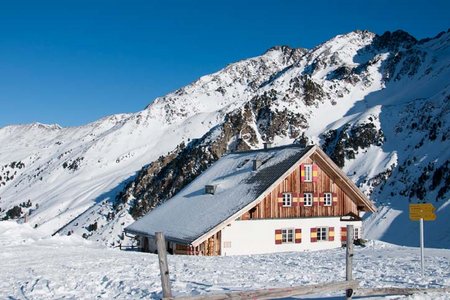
column 35, row 266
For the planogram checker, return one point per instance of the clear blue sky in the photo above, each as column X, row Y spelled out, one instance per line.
column 72, row 62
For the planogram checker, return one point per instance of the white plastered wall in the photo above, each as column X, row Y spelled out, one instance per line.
column 258, row 236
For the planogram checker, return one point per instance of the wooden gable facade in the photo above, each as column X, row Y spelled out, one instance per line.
column 271, row 207
column 327, row 178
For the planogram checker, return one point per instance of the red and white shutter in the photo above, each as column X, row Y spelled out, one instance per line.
column 280, row 199
column 343, row 234
column 295, row 199
column 302, row 173
column 321, row 199
column 315, row 173
column 278, row 237
column 316, row 199
column 335, row 199
column 301, row 199
column 298, row 235
column 313, row 235
column 331, row 233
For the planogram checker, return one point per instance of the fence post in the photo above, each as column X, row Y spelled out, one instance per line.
column 163, row 266
column 349, row 260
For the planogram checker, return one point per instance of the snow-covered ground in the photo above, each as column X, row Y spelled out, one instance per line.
column 36, row 266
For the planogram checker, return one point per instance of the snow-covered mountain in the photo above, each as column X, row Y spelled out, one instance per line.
column 379, row 105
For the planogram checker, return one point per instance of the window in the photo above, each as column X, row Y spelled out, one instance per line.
column 227, row 244
column 252, row 213
column 356, row 233
column 327, row 199
column 287, row 235
column 322, row 233
column 287, row 199
column 307, row 199
column 308, row 173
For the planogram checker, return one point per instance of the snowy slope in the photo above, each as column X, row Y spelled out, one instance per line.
column 69, row 170
column 35, row 266
column 378, row 105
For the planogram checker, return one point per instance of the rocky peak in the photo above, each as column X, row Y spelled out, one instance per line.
column 291, row 54
column 392, row 41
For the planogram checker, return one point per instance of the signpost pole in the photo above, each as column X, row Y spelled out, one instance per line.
column 422, row 212
column 349, row 260
column 421, row 247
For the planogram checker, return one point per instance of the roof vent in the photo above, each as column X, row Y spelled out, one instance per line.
column 256, row 164
column 267, row 145
column 210, row 189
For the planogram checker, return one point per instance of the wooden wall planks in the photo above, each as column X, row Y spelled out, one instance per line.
column 269, row 209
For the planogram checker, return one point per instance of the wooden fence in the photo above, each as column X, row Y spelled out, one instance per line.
column 349, row 287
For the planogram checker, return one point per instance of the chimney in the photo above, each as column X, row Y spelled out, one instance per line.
column 210, row 189
column 267, row 145
column 256, row 164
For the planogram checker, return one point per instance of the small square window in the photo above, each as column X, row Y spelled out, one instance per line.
column 307, row 199
column 287, row 236
column 322, row 233
column 308, row 173
column 327, row 199
column 287, row 199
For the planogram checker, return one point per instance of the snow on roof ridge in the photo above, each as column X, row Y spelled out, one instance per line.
column 271, row 149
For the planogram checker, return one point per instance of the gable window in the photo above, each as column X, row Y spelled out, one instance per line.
column 322, row 233
column 287, row 199
column 327, row 199
column 287, row 236
column 308, row 173
column 307, row 199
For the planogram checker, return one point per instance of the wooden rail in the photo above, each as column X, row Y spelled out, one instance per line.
column 364, row 292
column 276, row 293
column 314, row 289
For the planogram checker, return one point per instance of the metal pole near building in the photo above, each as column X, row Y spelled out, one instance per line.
column 422, row 259
column 349, row 260
column 163, row 266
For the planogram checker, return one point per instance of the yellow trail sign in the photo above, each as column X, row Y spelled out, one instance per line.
column 423, row 211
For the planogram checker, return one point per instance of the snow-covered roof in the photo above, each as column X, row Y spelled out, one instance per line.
column 191, row 213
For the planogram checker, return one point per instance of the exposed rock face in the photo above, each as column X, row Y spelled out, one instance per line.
column 344, row 143
column 392, row 41
column 163, row 178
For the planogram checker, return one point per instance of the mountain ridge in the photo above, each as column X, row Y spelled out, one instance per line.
column 345, row 94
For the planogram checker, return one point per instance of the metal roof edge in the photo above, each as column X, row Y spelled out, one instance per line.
column 167, row 237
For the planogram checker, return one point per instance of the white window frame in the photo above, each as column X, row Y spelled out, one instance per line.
column 287, row 233
column 308, row 172
column 322, row 232
column 287, row 199
column 308, row 199
column 327, row 199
